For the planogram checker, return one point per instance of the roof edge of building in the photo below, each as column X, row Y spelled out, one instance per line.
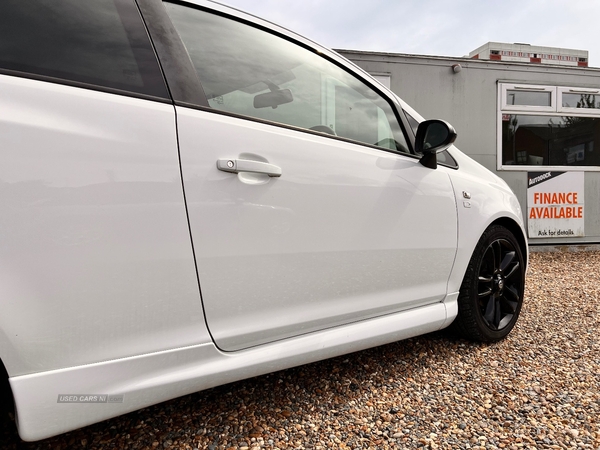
column 460, row 59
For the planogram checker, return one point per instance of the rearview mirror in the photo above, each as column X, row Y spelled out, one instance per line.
column 273, row 98
column 433, row 136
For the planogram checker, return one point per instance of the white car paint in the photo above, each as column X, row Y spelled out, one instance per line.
column 490, row 198
column 346, row 233
column 95, row 251
column 148, row 379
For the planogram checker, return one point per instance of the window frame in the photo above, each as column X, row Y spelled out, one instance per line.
column 557, row 110
column 577, row 111
column 186, row 99
column 527, row 88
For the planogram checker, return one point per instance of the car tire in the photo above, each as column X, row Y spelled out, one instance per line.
column 6, row 398
column 491, row 294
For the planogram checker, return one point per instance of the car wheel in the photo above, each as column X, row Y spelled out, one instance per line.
column 491, row 294
column 6, row 399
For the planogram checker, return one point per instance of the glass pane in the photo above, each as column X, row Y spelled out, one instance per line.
column 580, row 101
column 553, row 141
column 248, row 71
column 446, row 158
column 102, row 43
column 412, row 122
column 528, row 98
column 386, row 80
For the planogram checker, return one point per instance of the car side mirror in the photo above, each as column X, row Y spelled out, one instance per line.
column 273, row 99
column 433, row 136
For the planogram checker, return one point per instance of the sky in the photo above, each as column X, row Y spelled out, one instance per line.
column 436, row 27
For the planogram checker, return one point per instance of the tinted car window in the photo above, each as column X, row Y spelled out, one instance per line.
column 245, row 70
column 102, row 43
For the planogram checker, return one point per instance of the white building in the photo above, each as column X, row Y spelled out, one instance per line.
column 498, row 51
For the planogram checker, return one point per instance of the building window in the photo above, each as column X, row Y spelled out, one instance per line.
column 548, row 125
column 582, row 101
column 528, row 98
column 383, row 78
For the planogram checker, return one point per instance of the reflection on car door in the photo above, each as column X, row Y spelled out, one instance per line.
column 348, row 231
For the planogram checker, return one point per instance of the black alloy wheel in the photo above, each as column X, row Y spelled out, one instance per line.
column 491, row 294
column 499, row 287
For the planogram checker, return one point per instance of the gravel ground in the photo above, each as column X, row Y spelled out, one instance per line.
column 539, row 388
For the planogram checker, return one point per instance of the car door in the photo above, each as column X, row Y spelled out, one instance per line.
column 96, row 261
column 307, row 209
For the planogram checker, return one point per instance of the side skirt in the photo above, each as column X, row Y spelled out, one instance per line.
column 54, row 402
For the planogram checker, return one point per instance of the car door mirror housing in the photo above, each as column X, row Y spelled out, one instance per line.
column 273, row 98
column 433, row 136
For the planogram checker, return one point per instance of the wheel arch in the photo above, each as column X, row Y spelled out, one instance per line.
column 6, row 396
column 491, row 296
column 517, row 232
column 468, row 239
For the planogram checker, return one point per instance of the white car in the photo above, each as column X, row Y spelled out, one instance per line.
column 191, row 196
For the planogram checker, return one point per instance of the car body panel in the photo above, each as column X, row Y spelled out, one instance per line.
column 94, row 229
column 144, row 380
column 347, row 232
column 490, row 199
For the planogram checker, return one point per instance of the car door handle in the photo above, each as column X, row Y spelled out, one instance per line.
column 246, row 165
